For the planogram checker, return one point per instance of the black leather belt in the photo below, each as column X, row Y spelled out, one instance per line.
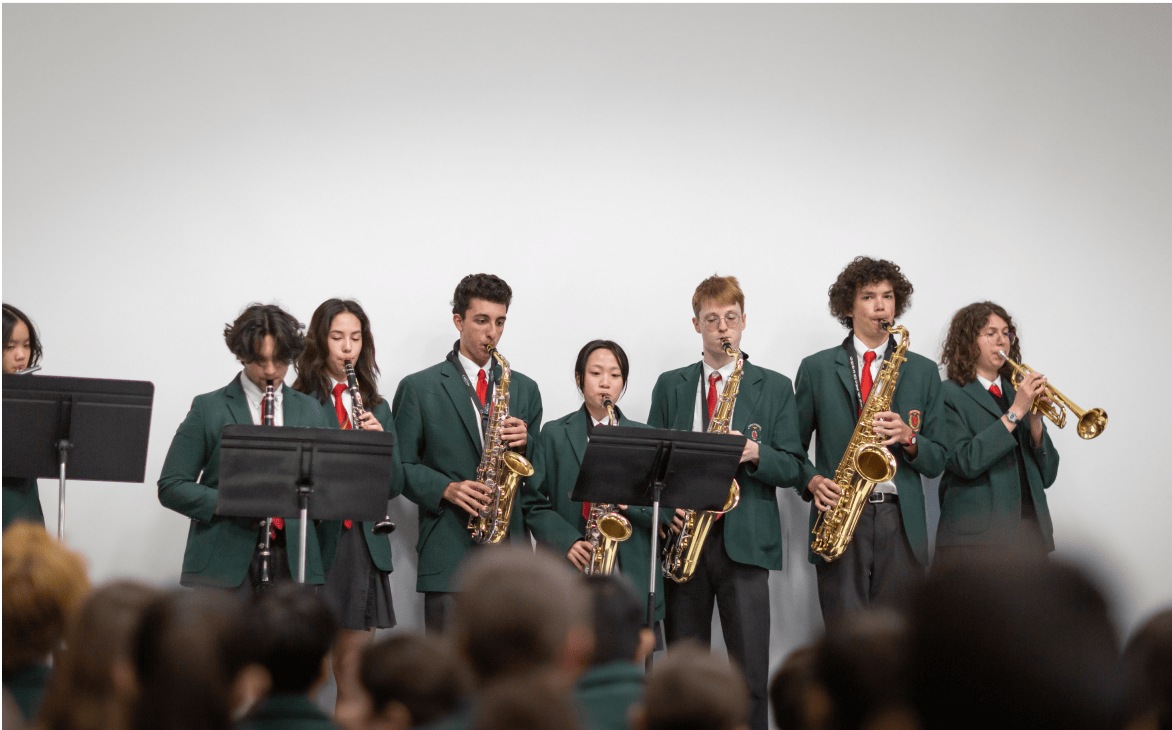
column 877, row 497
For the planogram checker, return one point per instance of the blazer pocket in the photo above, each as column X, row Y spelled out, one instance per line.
column 968, row 510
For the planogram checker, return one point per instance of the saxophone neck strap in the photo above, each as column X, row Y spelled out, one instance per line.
column 849, row 346
column 482, row 409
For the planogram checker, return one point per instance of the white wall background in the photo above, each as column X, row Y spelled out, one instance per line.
column 166, row 165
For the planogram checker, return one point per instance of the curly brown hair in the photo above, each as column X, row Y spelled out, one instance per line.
column 861, row 272
column 960, row 344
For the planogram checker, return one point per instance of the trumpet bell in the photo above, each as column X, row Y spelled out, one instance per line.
column 1092, row 423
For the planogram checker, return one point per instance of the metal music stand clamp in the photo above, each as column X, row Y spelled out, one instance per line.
column 83, row 428
column 304, row 473
column 650, row 467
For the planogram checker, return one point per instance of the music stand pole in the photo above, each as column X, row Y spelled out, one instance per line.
column 63, row 447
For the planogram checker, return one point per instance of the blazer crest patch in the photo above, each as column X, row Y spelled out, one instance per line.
column 754, row 432
column 913, row 420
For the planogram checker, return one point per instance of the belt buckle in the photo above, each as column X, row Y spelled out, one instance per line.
column 876, row 497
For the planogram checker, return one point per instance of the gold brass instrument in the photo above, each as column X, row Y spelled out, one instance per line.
column 500, row 470
column 681, row 551
column 1090, row 423
column 357, row 411
column 865, row 463
column 605, row 528
column 268, row 412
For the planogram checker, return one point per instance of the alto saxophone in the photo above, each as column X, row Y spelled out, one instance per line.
column 605, row 528
column 500, row 469
column 865, row 463
column 681, row 552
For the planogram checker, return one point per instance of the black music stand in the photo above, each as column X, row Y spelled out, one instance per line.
column 625, row 465
column 97, row 428
column 306, row 473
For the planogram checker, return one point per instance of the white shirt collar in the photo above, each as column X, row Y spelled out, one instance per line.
column 986, row 384
column 861, row 348
column 472, row 369
column 254, row 395
column 725, row 371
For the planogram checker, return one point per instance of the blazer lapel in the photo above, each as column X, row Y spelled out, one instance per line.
column 291, row 407
column 686, row 397
column 984, row 398
column 576, row 433
column 237, row 402
column 747, row 397
column 843, row 362
column 454, row 385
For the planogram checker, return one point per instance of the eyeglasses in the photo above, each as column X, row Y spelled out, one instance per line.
column 1011, row 336
column 732, row 319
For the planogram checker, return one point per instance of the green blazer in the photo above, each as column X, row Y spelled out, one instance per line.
column 556, row 462
column 827, row 403
column 980, row 493
column 219, row 549
column 440, row 443
column 764, row 412
column 287, row 712
column 21, row 501
column 331, row 532
column 605, row 694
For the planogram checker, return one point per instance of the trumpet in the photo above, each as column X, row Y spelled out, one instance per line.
column 1090, row 423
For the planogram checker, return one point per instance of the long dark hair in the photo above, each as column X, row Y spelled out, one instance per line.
column 311, row 364
column 11, row 315
column 960, row 344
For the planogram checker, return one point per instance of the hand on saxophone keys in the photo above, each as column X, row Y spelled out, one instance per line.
column 891, row 427
column 676, row 525
column 580, row 554
column 468, row 495
column 826, row 492
column 514, row 432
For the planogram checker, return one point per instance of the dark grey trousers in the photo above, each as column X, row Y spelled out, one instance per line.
column 437, row 611
column 741, row 593
column 877, row 569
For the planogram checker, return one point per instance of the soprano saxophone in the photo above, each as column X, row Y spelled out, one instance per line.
column 865, row 463
column 605, row 528
column 500, row 470
column 681, row 552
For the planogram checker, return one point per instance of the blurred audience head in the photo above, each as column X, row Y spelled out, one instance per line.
column 1148, row 660
column 1013, row 645
column 83, row 692
column 411, row 680
column 293, row 629
column 44, row 585
column 620, row 631
column 799, row 700
column 187, row 653
column 861, row 664
column 518, row 610
column 528, row 701
column 695, row 689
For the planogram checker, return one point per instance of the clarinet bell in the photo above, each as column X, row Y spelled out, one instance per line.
column 383, row 526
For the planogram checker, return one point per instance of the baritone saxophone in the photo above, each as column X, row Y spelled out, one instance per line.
column 865, row 463
column 681, row 551
column 605, row 528
column 500, row 469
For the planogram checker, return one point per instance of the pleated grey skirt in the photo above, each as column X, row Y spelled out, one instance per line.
column 359, row 592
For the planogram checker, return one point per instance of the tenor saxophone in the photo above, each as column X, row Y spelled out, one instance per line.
column 681, row 551
column 500, row 470
column 605, row 528
column 865, row 463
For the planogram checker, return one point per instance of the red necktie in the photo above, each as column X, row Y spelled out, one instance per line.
column 995, row 390
column 713, row 379
column 343, row 422
column 865, row 386
column 481, row 386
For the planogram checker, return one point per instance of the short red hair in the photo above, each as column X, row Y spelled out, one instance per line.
column 723, row 290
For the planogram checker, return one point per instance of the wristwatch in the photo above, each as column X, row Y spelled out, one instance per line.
column 1012, row 417
column 911, row 441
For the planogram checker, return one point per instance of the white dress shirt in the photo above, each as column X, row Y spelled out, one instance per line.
column 473, row 372
column 702, row 391
column 990, row 383
column 861, row 348
column 254, row 395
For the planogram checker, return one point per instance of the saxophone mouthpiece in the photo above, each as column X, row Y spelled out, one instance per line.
column 607, row 403
column 726, row 343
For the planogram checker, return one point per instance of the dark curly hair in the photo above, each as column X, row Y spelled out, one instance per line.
column 861, row 272
column 960, row 344
column 245, row 335
column 11, row 316
column 311, row 364
column 480, row 286
column 589, row 348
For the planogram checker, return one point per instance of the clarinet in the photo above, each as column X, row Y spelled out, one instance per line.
column 268, row 412
column 383, row 526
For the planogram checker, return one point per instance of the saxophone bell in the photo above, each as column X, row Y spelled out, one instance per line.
column 605, row 528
